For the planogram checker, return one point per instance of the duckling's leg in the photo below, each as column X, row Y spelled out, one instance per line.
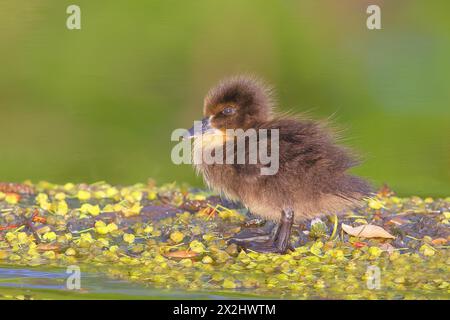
column 278, row 242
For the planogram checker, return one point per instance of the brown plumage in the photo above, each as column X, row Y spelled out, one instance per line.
column 311, row 180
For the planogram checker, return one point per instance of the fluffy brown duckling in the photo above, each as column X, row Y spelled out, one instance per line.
column 311, row 180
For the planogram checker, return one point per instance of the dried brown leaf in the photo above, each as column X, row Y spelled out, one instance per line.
column 367, row 231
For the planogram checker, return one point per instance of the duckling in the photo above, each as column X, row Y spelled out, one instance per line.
column 311, row 180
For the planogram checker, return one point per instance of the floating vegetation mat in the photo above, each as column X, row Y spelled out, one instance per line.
column 175, row 238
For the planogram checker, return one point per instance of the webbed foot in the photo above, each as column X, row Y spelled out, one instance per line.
column 278, row 242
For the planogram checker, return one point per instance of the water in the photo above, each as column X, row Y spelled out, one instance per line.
column 45, row 283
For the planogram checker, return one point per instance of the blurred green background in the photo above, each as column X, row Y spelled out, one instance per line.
column 100, row 103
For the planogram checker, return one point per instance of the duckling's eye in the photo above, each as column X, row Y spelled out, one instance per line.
column 228, row 111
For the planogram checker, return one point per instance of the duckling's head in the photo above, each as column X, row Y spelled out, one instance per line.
column 239, row 102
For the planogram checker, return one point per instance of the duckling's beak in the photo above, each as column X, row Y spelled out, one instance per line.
column 199, row 128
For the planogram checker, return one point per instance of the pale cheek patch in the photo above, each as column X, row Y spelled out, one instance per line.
column 211, row 139
column 210, row 148
column 214, row 139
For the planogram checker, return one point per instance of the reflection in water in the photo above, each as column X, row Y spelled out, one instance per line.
column 93, row 286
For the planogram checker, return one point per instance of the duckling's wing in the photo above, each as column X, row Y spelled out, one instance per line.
column 311, row 158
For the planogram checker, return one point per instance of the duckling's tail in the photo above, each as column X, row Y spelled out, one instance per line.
column 353, row 188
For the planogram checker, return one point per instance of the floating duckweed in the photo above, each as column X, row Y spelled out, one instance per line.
column 86, row 237
column 128, row 238
column 89, row 208
column 42, row 200
column 3, row 254
column 229, row 284
column 318, row 229
column 113, row 249
column 180, row 242
column 320, row 284
column 177, row 236
column 197, row 246
column 428, row 200
column 12, row 198
column 70, row 252
column 83, row 195
column 375, row 204
column 100, row 194
column 22, row 237
column 134, row 210
column 152, row 195
column 69, row 186
column 14, row 257
column 60, row 196
column 426, row 250
column 148, row 229
column 100, row 227
column 361, row 221
column 187, row 263
column 49, row 255
column 316, row 248
column 49, row 236
column 208, row 237
column 159, row 259
column 111, row 192
column 374, row 252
